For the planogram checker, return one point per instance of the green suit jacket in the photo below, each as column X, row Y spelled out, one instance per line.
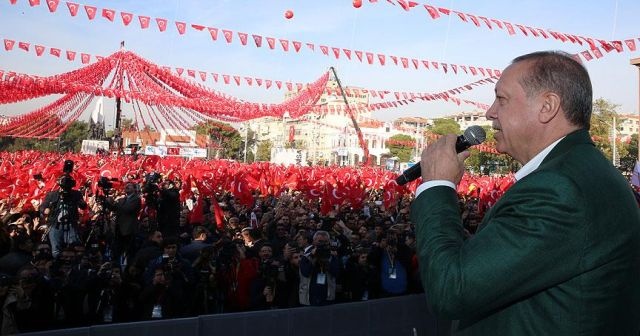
column 558, row 254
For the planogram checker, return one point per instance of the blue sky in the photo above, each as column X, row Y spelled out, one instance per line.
column 375, row 27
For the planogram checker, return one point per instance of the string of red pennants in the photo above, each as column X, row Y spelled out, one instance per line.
column 402, row 98
column 435, row 12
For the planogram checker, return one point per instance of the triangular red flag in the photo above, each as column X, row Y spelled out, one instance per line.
column 381, row 59
column 181, row 27
column 271, row 42
column 285, row 44
column 237, row 80
column 486, row 21
column 296, row 45
column 597, row 52
column 336, row 52
column 162, row 24
column 289, row 86
column 34, row 3
column 587, row 55
column 510, row 28
column 258, row 40
column 191, row 73
column 405, row 62
column 109, row 14
column 474, row 19
column 415, row 62
column 347, row 52
column 228, row 35
column 85, row 58
column 631, row 44
column 53, row 5
column 215, row 77
column 197, row 27
column 91, row 11
column 13, row 2
column 243, row 38
column 71, row 55
column 39, row 49
column 369, row 57
column 617, row 45
column 126, row 18
column 433, row 12
column 179, row 71
column 73, row 8
column 259, row 81
column 522, row 29
column 394, row 59
column 55, row 52
column 226, row 78
column 24, row 46
column 218, row 214
column 8, row 44
column 203, row 75
column 497, row 22
column 311, row 46
column 359, row 55
column 324, row 49
column 461, row 16
column 279, row 84
column 214, row 33
column 426, row 64
column 144, row 21
column 267, row 83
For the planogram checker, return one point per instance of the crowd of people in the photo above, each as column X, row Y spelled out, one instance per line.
column 139, row 252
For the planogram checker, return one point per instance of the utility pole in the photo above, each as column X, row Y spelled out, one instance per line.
column 636, row 62
column 246, row 140
column 615, row 147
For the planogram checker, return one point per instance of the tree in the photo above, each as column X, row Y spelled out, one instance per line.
column 444, row 126
column 263, row 153
column 602, row 128
column 71, row 138
column 397, row 145
column 628, row 161
column 231, row 143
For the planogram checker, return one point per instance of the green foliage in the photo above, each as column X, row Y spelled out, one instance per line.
column 488, row 163
column 404, row 153
column 230, row 141
column 70, row 140
column 602, row 128
column 444, row 126
column 628, row 161
column 263, row 152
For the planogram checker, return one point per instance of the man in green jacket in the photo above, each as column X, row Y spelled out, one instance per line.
column 559, row 253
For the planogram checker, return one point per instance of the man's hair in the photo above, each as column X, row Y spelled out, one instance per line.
column 199, row 230
column 321, row 233
column 557, row 71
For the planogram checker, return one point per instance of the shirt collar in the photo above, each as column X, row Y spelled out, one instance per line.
column 534, row 163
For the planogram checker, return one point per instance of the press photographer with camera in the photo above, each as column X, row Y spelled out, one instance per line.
column 60, row 211
column 319, row 269
column 126, row 208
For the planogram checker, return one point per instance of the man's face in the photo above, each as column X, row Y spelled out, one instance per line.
column 129, row 189
column 265, row 253
column 320, row 240
column 171, row 250
column 514, row 115
column 157, row 237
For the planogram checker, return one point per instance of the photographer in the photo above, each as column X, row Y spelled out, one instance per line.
column 60, row 209
column 319, row 269
column 205, row 299
column 169, row 209
column 271, row 278
column 392, row 258
column 126, row 209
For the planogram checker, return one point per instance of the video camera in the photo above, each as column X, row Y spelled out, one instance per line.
column 150, row 189
column 105, row 184
column 66, row 182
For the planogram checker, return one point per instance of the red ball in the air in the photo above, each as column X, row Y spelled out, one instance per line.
column 357, row 3
column 288, row 14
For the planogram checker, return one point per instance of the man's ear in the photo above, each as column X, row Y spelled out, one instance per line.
column 550, row 107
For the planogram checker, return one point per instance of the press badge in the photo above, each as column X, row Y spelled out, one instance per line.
column 392, row 273
column 157, row 312
column 321, row 279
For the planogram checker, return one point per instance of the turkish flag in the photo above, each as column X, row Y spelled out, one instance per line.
column 510, row 28
column 259, row 81
column 8, row 44
column 144, row 21
column 191, row 73
column 54, row 52
column 296, row 45
column 258, row 40
column 336, row 52
column 181, row 27
column 243, row 38
column 394, row 59
column 226, row 78
column 126, row 18
column 109, row 14
column 39, row 49
column 433, row 12
column 311, row 46
column 631, row 44
column 218, row 214
column 228, row 35
column 85, row 58
column 381, row 59
column 203, row 75
column 73, row 8
column 53, row 5
column 237, row 80
column 214, row 33
column 197, row 27
column 358, row 54
column 267, row 83
column 324, row 49
column 162, row 24
column 24, row 46
column 91, row 11
column 279, row 84
column 249, row 80
column 271, row 42
column 34, row 3
column 587, row 55
column 369, row 57
column 285, row 44
column 215, row 77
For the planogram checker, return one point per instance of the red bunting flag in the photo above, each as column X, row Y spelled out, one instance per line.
column 543, row 33
column 144, row 21
column 605, row 45
column 181, row 27
column 597, row 52
column 486, row 21
column 535, row 33
column 8, row 44
column 482, row 71
column 249, row 80
column 203, row 75
column 24, row 46
column 359, row 55
column 109, row 14
column 336, row 52
column 191, row 73
column 394, row 59
column 259, row 81
column 267, row 83
column 13, row 2
column 214, row 33
column 34, row 3
column 324, row 49
column 39, row 50
column 289, row 86
column 258, row 40
column 433, row 12
column 405, row 62
column 415, row 62
column 228, row 35
column 473, row 70
column 510, row 28
column 91, row 11
column 617, row 45
column 73, row 8
column 179, row 71
column 55, row 52
column 381, row 58
column 435, row 65
column 53, row 5
column 522, row 29
column 426, row 64
column 85, row 58
column 226, row 78
column 71, row 55
column 474, row 20
column 162, row 24
column 297, row 45
column 347, row 52
column 271, row 42
column 126, row 18
column 461, row 16
column 279, row 84
column 497, row 22
column 311, row 46
column 197, row 27
column 215, row 77
column 369, row 57
column 444, row 11
column 587, row 55
column 631, row 44
column 243, row 38
column 285, row 44
column 237, row 80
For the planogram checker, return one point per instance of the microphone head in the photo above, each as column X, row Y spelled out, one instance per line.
column 475, row 135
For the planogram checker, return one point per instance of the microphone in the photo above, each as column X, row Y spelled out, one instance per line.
column 474, row 135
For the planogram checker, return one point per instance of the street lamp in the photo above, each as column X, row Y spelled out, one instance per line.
column 636, row 62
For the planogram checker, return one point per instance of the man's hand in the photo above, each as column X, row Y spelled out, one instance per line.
column 441, row 162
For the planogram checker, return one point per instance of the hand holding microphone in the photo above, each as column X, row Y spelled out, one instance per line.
column 472, row 136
